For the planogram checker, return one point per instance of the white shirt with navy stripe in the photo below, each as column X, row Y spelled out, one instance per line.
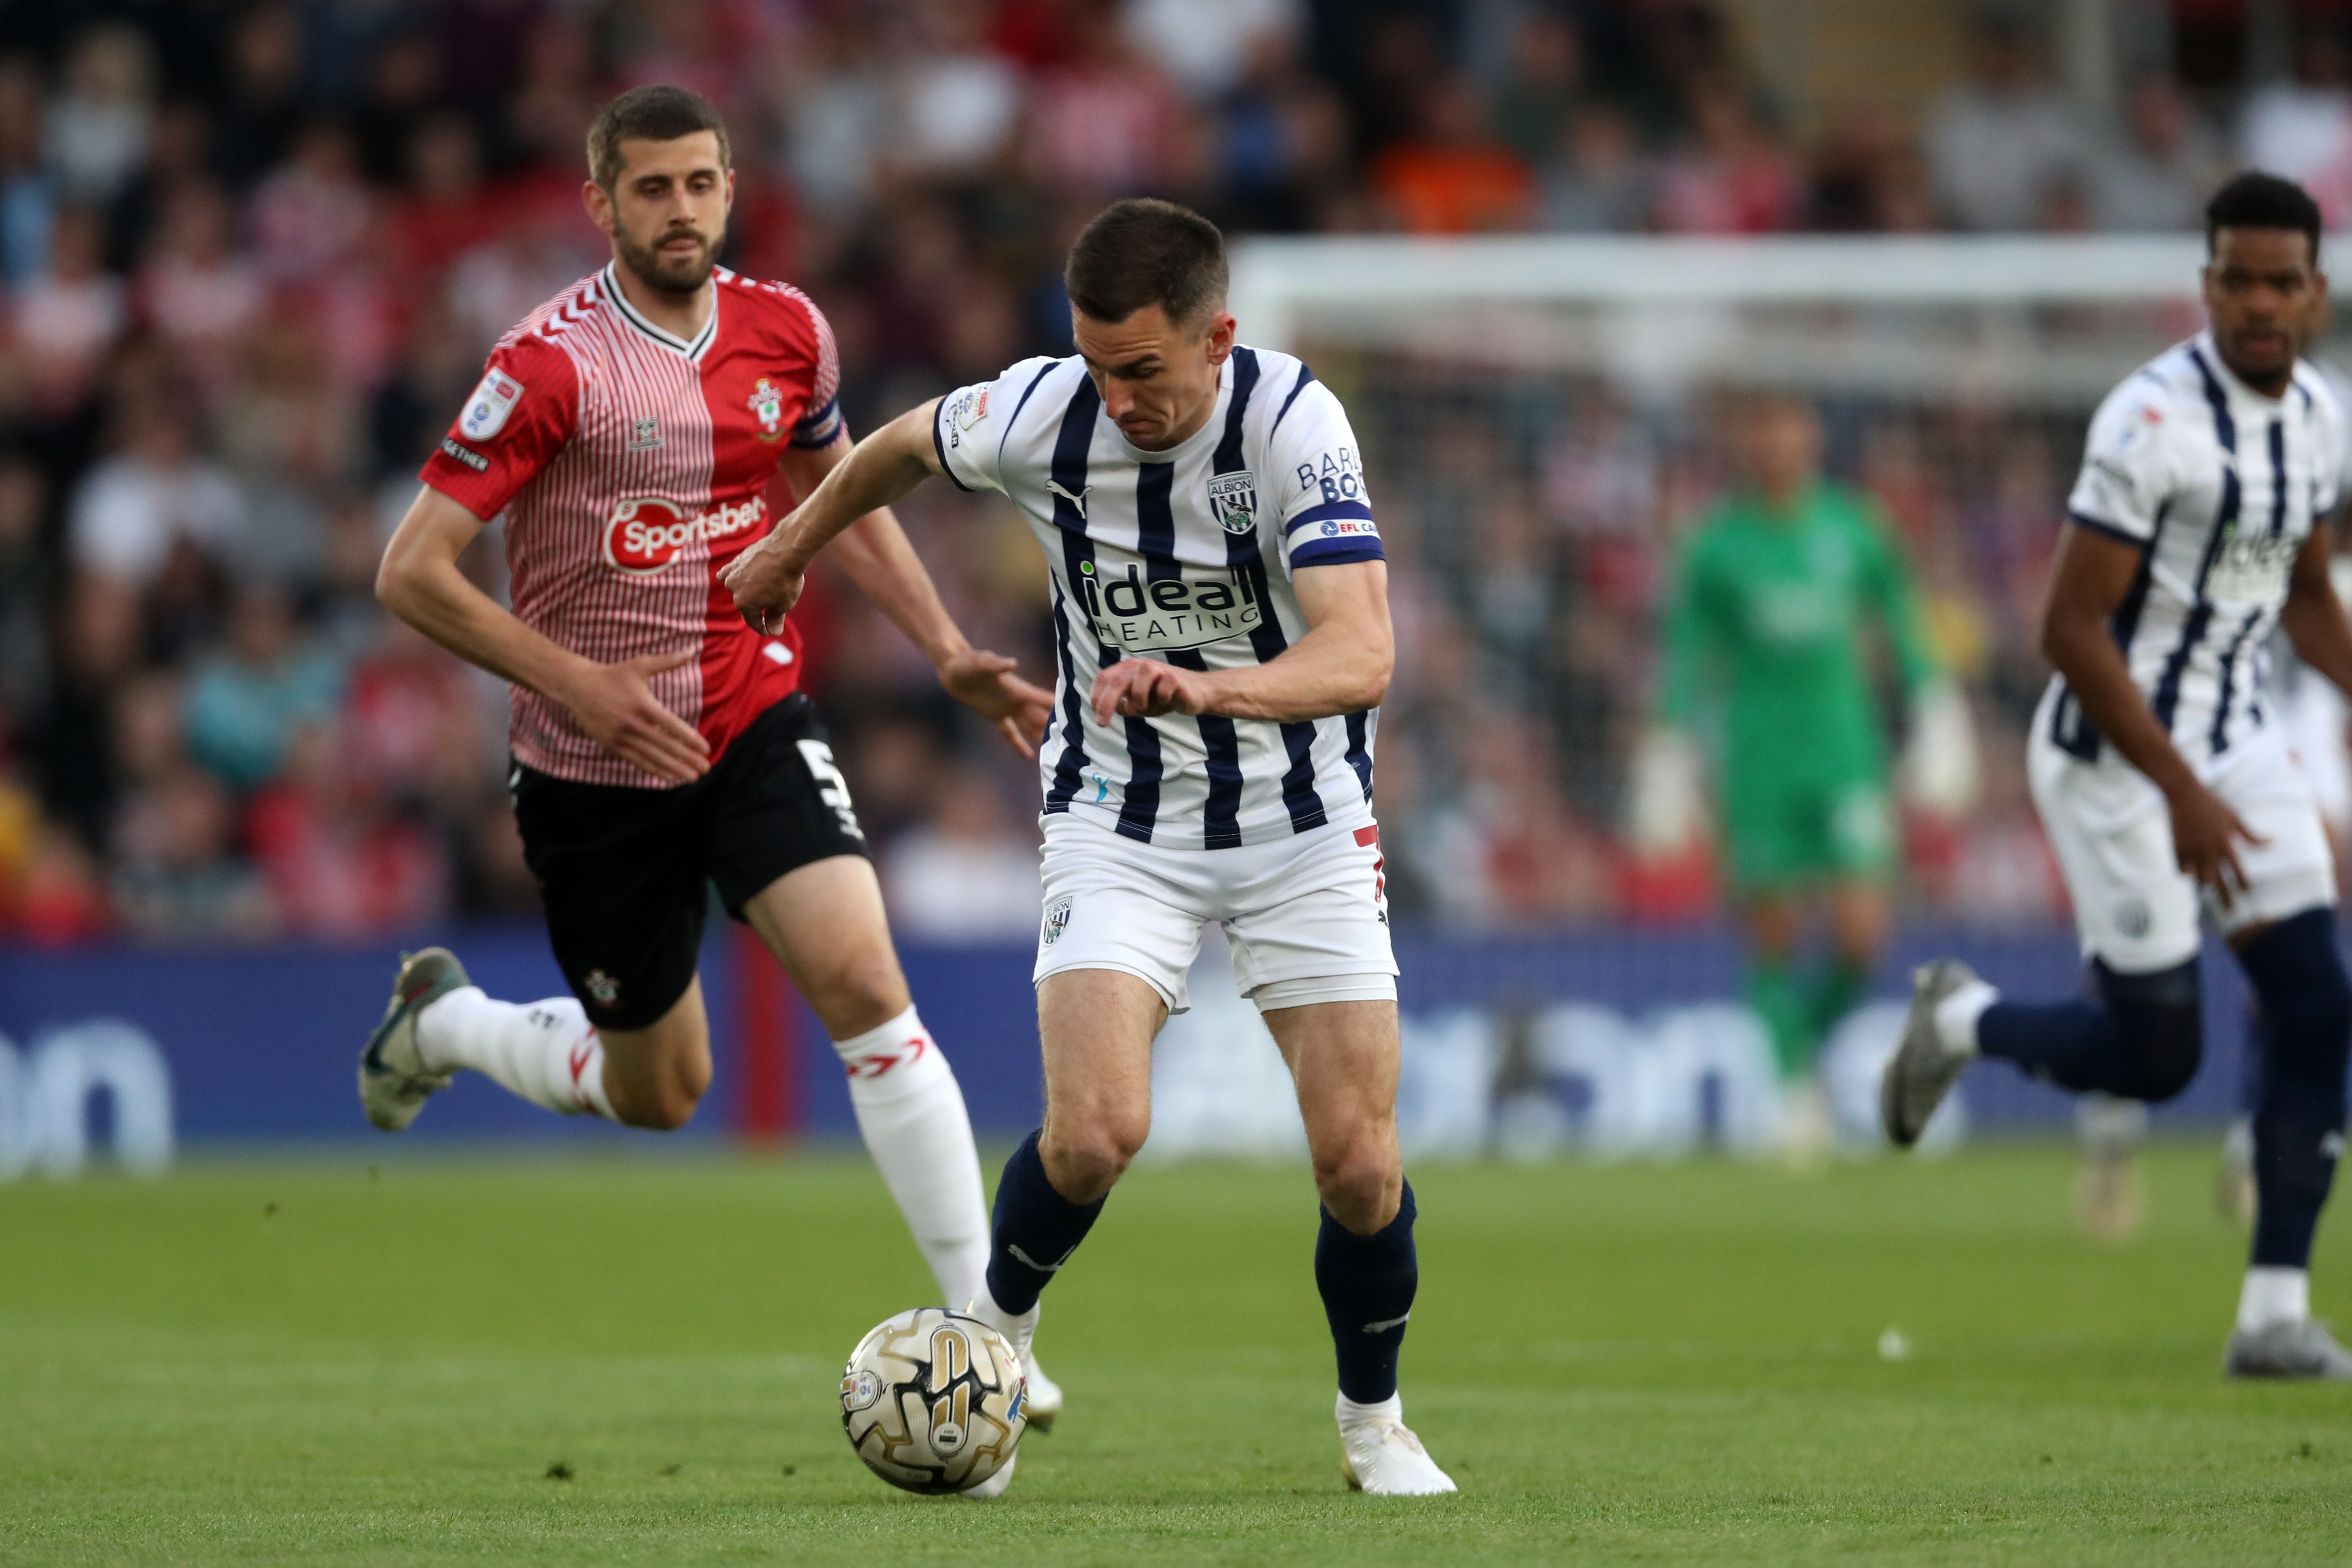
column 1184, row 555
column 2218, row 486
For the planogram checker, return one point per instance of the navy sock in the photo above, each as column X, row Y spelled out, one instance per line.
column 1035, row 1229
column 2306, row 1002
column 2074, row 1044
column 2140, row 1040
column 1368, row 1285
column 2249, row 1064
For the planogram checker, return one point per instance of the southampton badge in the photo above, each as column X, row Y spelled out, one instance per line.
column 767, row 403
column 1057, row 920
column 603, row 986
column 1232, row 500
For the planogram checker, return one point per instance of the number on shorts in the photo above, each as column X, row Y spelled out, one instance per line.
column 831, row 787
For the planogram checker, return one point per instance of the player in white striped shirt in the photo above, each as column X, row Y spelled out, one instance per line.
column 1219, row 599
column 2165, row 781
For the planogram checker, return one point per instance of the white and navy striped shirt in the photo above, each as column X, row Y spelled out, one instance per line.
column 2218, row 486
column 1185, row 555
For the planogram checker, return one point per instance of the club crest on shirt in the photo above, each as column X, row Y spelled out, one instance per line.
column 644, row 433
column 1233, row 501
column 767, row 404
column 486, row 410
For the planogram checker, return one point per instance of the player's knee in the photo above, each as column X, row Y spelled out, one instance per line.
column 1360, row 1182
column 859, row 993
column 2162, row 1015
column 1086, row 1155
column 665, row 1110
column 664, row 1100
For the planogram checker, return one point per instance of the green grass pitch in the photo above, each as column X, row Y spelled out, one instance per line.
column 302, row 1362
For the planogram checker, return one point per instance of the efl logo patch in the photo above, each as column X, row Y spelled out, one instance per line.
column 1233, row 501
column 860, row 1389
column 1057, row 920
column 486, row 410
column 971, row 408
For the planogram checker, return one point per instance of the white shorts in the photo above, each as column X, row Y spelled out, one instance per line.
column 2134, row 908
column 1308, row 916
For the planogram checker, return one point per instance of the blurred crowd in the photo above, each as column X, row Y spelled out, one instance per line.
column 254, row 252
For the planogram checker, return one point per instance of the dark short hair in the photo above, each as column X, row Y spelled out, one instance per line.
column 657, row 113
column 1144, row 252
column 2254, row 199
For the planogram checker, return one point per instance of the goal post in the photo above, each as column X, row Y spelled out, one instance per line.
column 2051, row 321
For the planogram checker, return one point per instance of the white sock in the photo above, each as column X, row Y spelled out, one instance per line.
column 1354, row 1416
column 912, row 1115
column 1956, row 1014
column 2273, row 1295
column 547, row 1051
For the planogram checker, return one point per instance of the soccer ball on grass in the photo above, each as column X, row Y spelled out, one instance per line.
column 934, row 1401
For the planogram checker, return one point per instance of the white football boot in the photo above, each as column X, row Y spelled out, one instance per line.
column 395, row 1082
column 1379, row 1456
column 1020, row 1331
column 1923, row 1068
column 994, row 1485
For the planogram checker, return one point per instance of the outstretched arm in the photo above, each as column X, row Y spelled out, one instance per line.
column 875, row 553
column 1342, row 666
column 419, row 582
column 767, row 579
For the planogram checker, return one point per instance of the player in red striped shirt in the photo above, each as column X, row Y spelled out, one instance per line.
column 628, row 430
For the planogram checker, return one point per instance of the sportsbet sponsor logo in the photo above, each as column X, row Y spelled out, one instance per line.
column 649, row 532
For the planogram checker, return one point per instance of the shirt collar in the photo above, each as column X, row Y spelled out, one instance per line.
column 692, row 349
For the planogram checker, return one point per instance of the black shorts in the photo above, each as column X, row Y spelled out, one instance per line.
column 621, row 870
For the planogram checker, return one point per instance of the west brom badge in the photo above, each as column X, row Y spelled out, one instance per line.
column 1232, row 500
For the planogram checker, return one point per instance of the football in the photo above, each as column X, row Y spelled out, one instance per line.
column 934, row 1401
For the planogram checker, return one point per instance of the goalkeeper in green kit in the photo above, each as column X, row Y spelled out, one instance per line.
column 1774, row 593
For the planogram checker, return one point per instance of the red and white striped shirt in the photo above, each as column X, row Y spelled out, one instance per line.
column 632, row 466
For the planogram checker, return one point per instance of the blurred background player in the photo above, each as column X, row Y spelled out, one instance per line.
column 629, row 429
column 1775, row 594
column 2198, row 524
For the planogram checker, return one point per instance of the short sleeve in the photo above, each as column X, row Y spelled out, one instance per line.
column 820, row 425
column 513, row 424
column 2126, row 469
column 2328, row 486
column 1320, row 501
column 970, row 426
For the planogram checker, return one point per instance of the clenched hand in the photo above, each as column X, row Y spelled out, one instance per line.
column 764, row 591
column 1145, row 688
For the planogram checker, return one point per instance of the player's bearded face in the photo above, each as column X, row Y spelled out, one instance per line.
column 675, row 257
column 667, row 210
